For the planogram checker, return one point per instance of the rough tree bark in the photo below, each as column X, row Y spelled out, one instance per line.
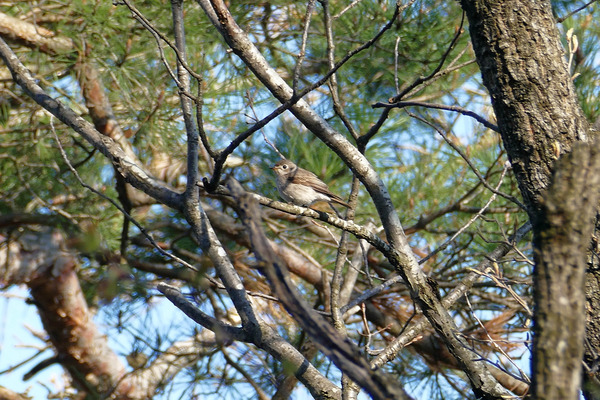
column 522, row 63
column 591, row 358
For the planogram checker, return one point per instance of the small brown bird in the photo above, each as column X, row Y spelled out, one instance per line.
column 301, row 187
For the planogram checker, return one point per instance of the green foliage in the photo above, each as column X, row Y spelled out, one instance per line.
column 423, row 174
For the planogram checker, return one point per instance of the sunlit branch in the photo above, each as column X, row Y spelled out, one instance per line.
column 575, row 11
column 333, row 84
column 191, row 194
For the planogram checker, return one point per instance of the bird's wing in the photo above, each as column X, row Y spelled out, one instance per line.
column 308, row 178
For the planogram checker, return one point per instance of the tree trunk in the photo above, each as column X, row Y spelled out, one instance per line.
column 591, row 358
column 518, row 49
column 522, row 64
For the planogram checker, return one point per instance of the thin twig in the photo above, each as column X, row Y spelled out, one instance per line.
column 496, row 277
column 348, row 7
column 437, row 69
column 364, row 139
column 310, row 7
column 367, row 294
column 262, row 131
column 473, row 219
column 463, row 111
column 559, row 20
column 469, row 163
column 333, row 85
column 494, row 344
column 396, row 44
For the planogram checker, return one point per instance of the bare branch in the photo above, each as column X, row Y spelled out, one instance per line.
column 191, row 193
column 343, row 353
column 468, row 113
column 223, row 332
column 310, row 7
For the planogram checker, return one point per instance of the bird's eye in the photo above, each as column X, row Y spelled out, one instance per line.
column 284, row 166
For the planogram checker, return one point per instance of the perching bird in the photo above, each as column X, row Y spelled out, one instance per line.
column 301, row 187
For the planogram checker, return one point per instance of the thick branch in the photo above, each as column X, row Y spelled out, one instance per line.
column 34, row 36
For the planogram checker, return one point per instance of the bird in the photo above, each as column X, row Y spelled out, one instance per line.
column 301, row 187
